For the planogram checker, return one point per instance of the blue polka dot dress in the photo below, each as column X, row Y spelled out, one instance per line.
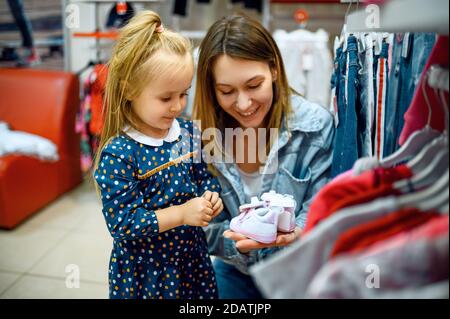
column 138, row 175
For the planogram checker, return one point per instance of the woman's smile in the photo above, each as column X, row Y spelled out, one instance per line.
column 249, row 114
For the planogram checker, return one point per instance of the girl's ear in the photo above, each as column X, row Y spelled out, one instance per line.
column 126, row 90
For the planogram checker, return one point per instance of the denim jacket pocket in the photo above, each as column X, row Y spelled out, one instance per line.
column 297, row 187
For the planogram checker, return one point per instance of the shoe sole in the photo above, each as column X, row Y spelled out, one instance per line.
column 261, row 239
column 290, row 230
column 284, row 223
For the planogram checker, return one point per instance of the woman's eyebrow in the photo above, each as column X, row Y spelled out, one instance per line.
column 256, row 77
column 222, row 84
column 250, row 80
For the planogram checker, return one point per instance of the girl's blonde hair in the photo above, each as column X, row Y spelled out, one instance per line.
column 241, row 37
column 133, row 65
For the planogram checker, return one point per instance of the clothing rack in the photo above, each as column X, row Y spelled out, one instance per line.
column 404, row 16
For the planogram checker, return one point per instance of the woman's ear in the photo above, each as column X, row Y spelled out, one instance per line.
column 274, row 74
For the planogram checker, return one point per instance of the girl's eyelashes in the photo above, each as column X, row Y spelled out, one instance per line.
column 168, row 99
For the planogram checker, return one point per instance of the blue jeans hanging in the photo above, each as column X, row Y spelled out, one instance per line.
column 409, row 56
column 346, row 142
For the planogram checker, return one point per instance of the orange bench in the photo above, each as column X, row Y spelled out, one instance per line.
column 44, row 103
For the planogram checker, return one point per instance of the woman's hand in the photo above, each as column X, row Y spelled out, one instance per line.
column 216, row 202
column 245, row 244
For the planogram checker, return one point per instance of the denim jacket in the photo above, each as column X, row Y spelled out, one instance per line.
column 304, row 153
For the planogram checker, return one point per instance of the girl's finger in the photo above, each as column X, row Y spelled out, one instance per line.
column 214, row 198
column 217, row 205
column 218, row 211
column 207, row 195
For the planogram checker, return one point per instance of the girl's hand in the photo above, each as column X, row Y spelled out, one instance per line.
column 216, row 202
column 245, row 244
column 197, row 212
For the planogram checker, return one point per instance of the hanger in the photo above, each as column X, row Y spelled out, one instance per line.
column 426, row 155
column 439, row 79
column 442, row 200
column 417, row 140
column 432, row 198
column 432, row 161
column 443, row 208
column 438, row 199
column 429, row 175
column 344, row 33
column 421, row 161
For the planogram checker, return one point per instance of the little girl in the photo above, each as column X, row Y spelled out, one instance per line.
column 155, row 198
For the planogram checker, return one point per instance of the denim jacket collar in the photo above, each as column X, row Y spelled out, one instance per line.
column 304, row 117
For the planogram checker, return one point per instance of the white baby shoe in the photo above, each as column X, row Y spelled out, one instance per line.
column 261, row 220
column 286, row 220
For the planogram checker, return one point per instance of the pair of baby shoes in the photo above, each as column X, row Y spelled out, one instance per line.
column 261, row 220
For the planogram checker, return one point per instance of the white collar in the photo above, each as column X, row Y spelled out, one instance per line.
column 172, row 135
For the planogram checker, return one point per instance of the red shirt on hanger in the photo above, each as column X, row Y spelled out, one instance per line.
column 358, row 238
column 417, row 115
column 357, row 190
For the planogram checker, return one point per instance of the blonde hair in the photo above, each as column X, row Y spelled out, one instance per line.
column 242, row 37
column 133, row 65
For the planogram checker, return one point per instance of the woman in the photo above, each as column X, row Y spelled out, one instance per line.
column 242, row 84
